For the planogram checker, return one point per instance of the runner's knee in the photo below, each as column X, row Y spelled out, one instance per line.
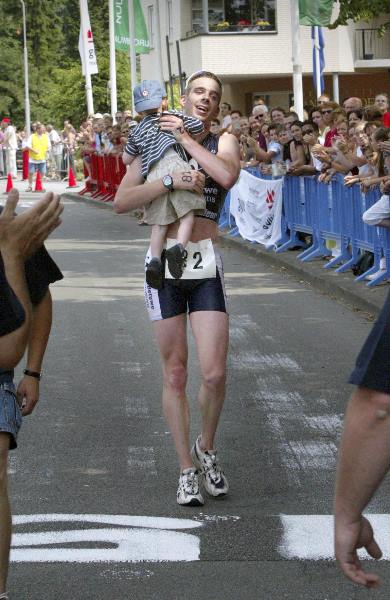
column 176, row 377
column 214, row 379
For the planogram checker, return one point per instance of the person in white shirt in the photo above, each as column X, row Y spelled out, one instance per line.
column 57, row 147
column 225, row 110
column 10, row 145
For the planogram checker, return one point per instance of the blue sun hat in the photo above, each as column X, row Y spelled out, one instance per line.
column 148, row 95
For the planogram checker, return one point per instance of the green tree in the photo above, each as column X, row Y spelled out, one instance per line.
column 362, row 10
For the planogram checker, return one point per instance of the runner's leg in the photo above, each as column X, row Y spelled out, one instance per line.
column 171, row 335
column 211, row 333
column 5, row 513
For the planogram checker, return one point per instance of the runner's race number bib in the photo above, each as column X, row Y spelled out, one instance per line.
column 200, row 261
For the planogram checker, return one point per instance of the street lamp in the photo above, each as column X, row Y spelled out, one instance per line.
column 26, row 89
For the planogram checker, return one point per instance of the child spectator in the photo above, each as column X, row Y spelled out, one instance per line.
column 161, row 156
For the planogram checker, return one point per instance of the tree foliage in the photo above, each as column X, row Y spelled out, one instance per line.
column 57, row 88
column 362, row 10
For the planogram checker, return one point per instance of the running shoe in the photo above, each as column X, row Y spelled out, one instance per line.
column 214, row 479
column 176, row 257
column 154, row 274
column 188, row 493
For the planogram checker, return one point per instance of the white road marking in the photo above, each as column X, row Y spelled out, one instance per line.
column 310, row 537
column 134, row 539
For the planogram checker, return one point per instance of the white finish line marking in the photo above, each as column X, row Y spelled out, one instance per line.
column 310, row 537
column 129, row 539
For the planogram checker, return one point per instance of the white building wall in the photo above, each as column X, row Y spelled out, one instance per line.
column 237, row 56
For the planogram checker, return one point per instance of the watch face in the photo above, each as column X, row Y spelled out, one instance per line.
column 167, row 181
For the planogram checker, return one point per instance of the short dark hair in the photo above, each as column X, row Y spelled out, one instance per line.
column 198, row 75
column 278, row 127
column 227, row 104
column 279, row 108
column 235, row 110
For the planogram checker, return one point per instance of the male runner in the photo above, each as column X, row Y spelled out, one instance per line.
column 200, row 291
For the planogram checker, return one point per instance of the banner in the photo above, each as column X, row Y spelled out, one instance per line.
column 121, row 24
column 315, row 12
column 256, row 205
column 86, row 38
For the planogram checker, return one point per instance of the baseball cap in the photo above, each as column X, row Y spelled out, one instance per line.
column 147, row 95
column 5, row 120
column 98, row 116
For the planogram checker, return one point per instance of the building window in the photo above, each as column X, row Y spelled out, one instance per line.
column 151, row 25
column 170, row 20
column 237, row 16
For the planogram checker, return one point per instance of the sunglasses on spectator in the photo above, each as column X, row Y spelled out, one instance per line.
column 260, row 115
column 326, row 110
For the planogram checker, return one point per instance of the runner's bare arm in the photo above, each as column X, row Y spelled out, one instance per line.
column 223, row 167
column 134, row 193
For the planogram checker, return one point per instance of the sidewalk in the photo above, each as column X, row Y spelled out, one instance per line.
column 340, row 286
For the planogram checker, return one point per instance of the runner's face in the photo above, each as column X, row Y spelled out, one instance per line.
column 202, row 100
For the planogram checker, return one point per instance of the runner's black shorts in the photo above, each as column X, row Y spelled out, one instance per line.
column 187, row 295
column 372, row 369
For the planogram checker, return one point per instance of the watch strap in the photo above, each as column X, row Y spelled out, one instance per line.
column 35, row 374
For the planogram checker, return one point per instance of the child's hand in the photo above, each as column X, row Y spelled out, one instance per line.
column 189, row 180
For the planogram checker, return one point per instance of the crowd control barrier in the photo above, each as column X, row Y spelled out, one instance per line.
column 328, row 212
column 107, row 172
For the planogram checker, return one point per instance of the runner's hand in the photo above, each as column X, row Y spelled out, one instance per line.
column 174, row 125
column 348, row 538
column 191, row 180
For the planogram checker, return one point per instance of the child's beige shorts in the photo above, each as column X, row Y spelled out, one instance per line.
column 171, row 206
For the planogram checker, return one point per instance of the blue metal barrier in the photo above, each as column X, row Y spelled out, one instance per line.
column 328, row 212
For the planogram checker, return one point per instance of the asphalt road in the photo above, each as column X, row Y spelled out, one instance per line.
column 94, row 478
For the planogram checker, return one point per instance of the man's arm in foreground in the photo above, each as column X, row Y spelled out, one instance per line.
column 364, row 460
column 20, row 237
column 28, row 388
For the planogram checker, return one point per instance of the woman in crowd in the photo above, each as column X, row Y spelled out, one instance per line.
column 315, row 116
column 297, row 153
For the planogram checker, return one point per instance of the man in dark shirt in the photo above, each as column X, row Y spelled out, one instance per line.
column 22, row 283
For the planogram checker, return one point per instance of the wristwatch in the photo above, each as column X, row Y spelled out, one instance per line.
column 168, row 182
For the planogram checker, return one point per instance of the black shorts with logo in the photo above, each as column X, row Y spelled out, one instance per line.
column 187, row 295
column 372, row 369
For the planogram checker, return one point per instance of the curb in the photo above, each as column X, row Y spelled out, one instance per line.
column 339, row 286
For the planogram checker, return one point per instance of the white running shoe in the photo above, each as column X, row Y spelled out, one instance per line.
column 188, row 493
column 214, row 479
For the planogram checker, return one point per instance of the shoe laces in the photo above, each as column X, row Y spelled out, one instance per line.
column 212, row 466
column 190, row 483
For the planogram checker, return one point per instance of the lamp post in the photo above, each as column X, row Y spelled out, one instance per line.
column 26, row 88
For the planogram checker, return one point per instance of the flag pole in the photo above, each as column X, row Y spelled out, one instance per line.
column 88, row 79
column 296, row 59
column 133, row 58
column 158, row 44
column 317, row 60
column 113, row 91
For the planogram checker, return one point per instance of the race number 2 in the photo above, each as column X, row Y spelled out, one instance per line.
column 199, row 262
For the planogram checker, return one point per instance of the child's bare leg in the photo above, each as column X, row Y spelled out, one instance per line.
column 185, row 228
column 157, row 239
column 176, row 256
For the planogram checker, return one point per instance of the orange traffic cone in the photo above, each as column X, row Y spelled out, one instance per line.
column 71, row 179
column 38, row 183
column 10, row 185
